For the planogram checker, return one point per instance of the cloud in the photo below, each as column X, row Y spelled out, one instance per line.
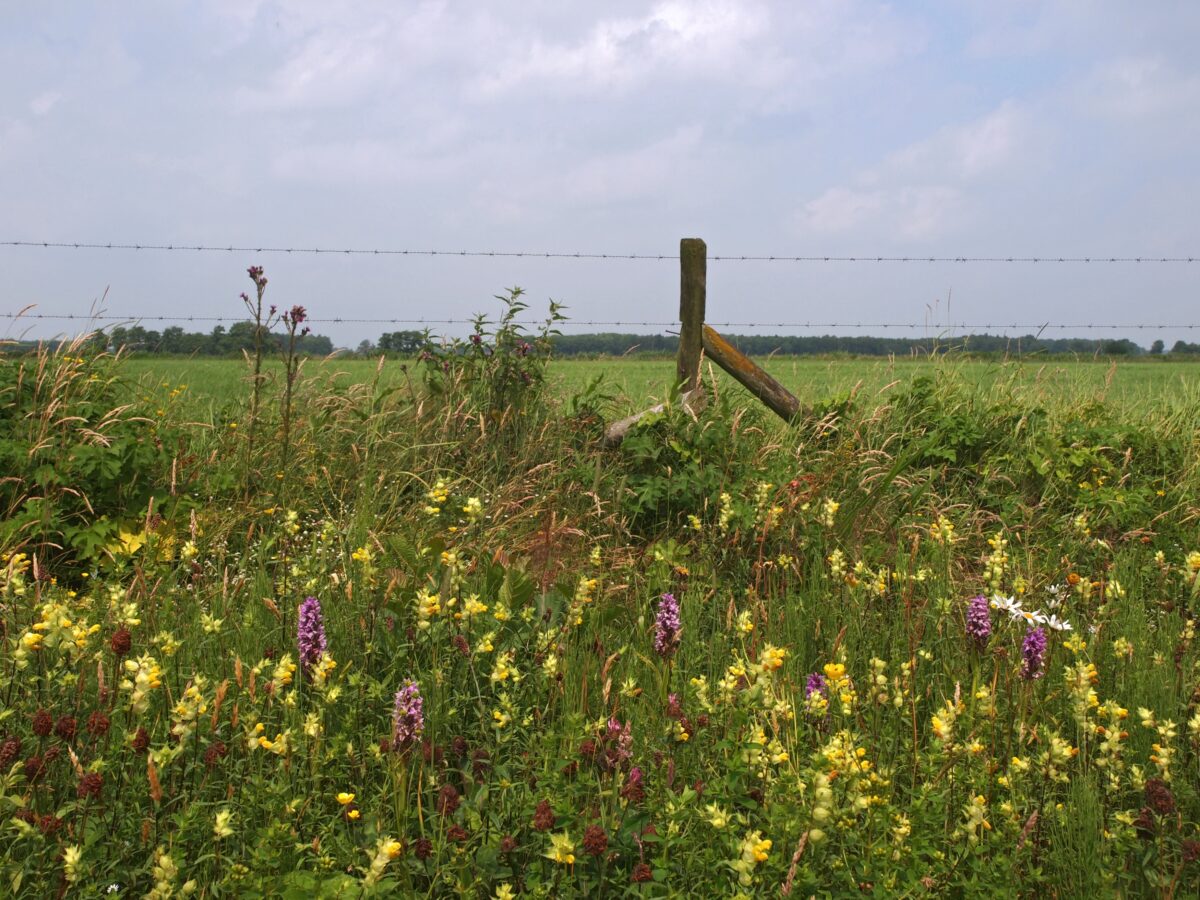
column 44, row 102
column 924, row 190
column 1140, row 87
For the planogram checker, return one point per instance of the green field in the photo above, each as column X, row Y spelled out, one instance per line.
column 1130, row 386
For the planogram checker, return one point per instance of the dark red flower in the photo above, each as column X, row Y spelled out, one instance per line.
column 543, row 816
column 595, row 840
column 508, row 844
column 422, row 848
column 456, row 833
column 34, row 767
column 141, row 740
column 10, row 749
column 215, row 753
column 49, row 824
column 641, row 872
column 1159, row 797
column 121, row 641
column 65, row 728
column 447, row 801
column 43, row 723
column 98, row 724
column 90, row 785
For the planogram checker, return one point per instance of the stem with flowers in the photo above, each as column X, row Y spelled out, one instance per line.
column 292, row 320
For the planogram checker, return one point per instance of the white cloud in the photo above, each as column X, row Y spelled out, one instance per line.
column 925, row 190
column 44, row 102
column 1141, row 87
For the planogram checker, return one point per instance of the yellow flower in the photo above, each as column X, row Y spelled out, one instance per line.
column 72, row 856
column 345, row 798
column 772, row 657
column 717, row 817
column 392, row 848
column 222, row 827
column 562, row 849
column 504, row 892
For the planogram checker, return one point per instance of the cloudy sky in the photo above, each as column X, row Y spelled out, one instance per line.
column 809, row 127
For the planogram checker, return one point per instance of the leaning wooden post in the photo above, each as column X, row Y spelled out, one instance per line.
column 693, row 265
column 776, row 397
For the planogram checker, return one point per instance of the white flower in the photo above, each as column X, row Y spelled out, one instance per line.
column 1058, row 624
column 1010, row 605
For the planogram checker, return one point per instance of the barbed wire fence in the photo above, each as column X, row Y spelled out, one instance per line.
column 425, row 322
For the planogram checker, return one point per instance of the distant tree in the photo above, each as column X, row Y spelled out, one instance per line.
column 405, row 343
column 1156, row 348
column 365, row 348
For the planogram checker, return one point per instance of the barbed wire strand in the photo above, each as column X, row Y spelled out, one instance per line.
column 579, row 254
column 1141, row 326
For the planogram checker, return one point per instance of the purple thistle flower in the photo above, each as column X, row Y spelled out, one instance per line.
column 408, row 717
column 310, row 633
column 1033, row 654
column 667, row 627
column 979, row 620
column 815, row 684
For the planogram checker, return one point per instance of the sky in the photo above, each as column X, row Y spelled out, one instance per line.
column 802, row 128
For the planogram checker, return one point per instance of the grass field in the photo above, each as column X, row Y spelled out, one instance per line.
column 420, row 634
column 1128, row 385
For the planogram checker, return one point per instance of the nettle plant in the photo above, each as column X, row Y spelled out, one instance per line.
column 500, row 370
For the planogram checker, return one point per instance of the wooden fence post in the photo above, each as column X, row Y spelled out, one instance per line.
column 693, row 268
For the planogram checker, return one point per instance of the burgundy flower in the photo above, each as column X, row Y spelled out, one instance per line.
column 634, row 790
column 10, row 749
column 65, row 728
column 98, row 724
column 456, row 833
column 215, row 753
column 43, row 723
column 641, row 872
column 90, row 785
column 543, row 817
column 34, row 767
column 448, row 800
column 422, row 848
column 141, row 740
column 1159, row 797
column 121, row 641
column 595, row 840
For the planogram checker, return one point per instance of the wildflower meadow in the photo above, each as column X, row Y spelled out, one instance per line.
column 422, row 634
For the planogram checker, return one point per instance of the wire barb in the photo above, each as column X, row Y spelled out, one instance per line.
column 579, row 254
column 341, row 320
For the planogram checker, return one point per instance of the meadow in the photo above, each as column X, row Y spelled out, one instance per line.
column 359, row 629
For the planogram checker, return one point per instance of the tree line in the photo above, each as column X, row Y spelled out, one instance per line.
column 218, row 342
column 407, row 343
column 239, row 337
